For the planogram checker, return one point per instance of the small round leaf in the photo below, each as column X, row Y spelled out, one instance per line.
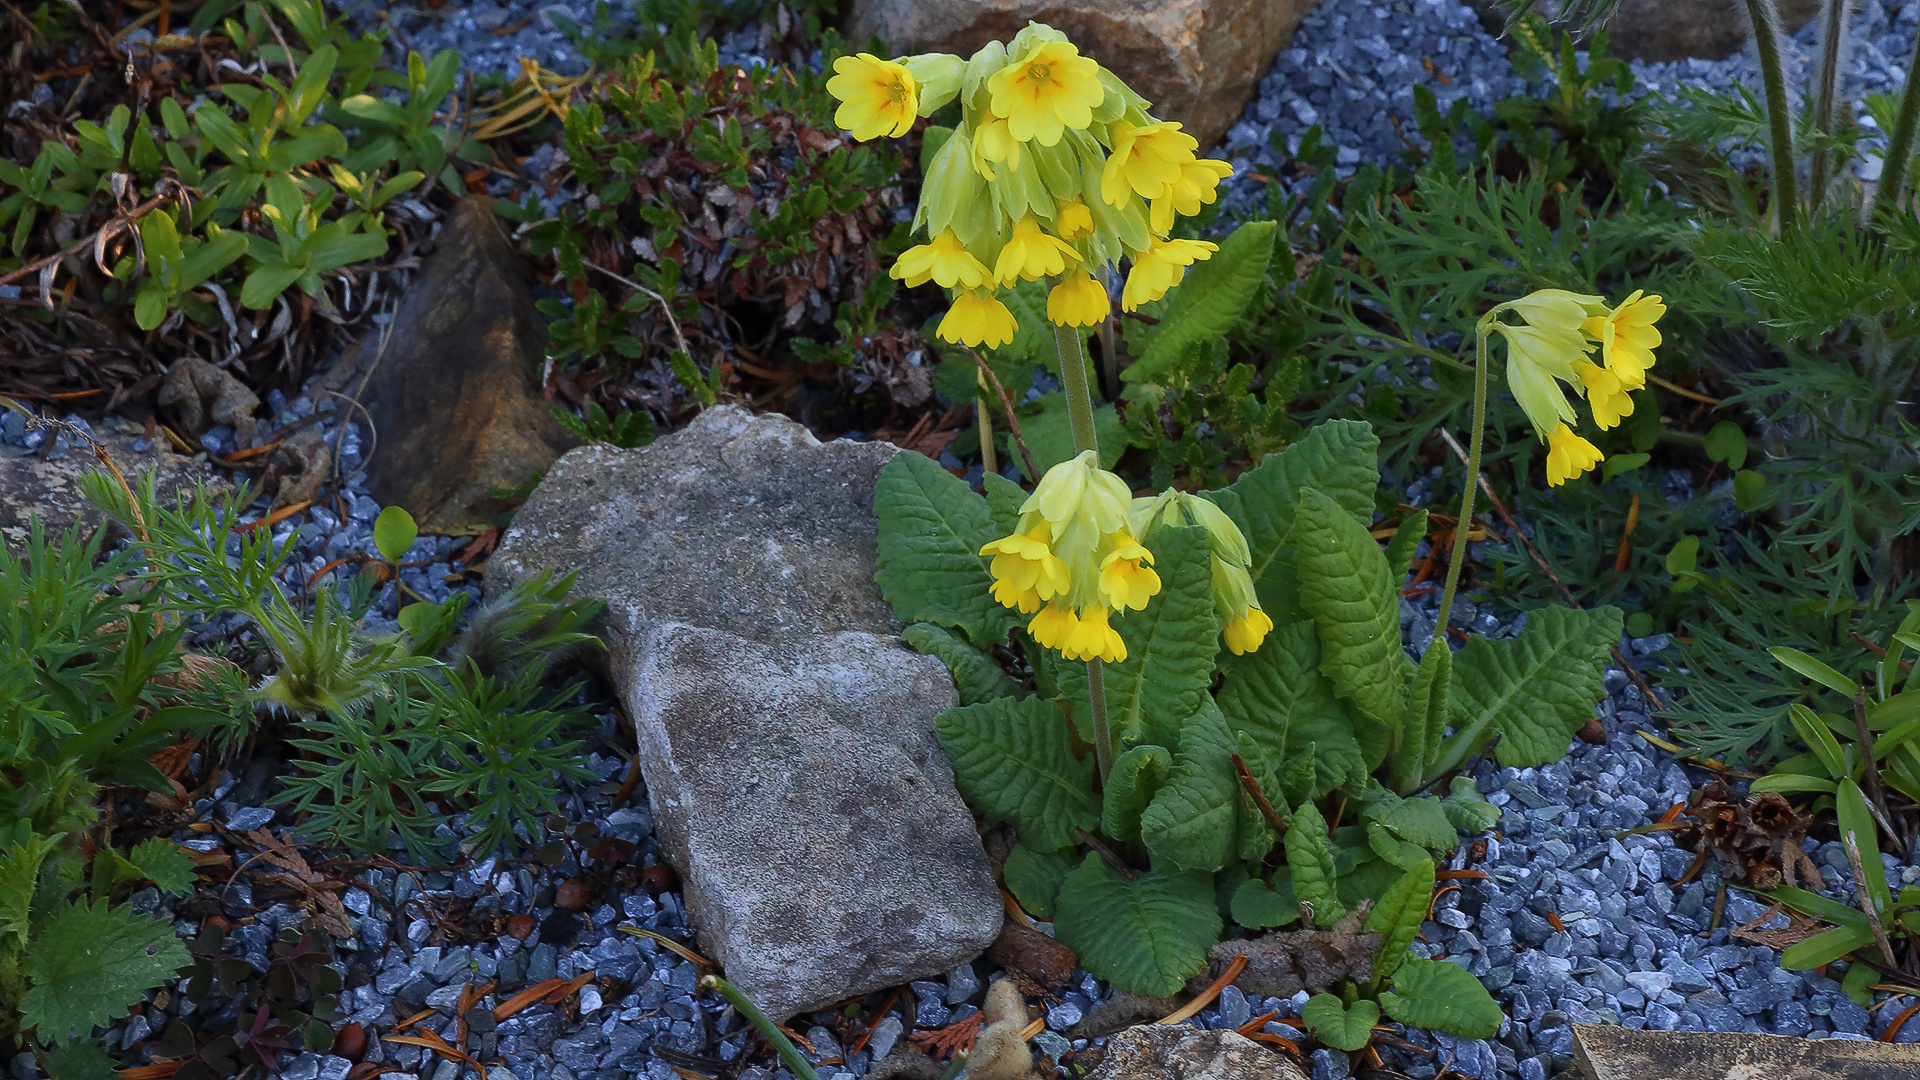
column 393, row 533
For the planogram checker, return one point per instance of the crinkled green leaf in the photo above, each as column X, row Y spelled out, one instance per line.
column 1344, row 585
column 1192, row 820
column 1170, row 647
column 1533, row 690
column 1258, row 905
column 1403, row 854
column 1049, row 435
column 976, row 676
column 89, row 963
column 1034, row 877
column 1340, row 459
column 1398, row 917
column 932, row 527
column 1469, row 811
column 1310, row 858
column 1339, row 1025
column 1421, row 821
column 81, row 1059
column 1424, row 722
column 1207, row 303
column 1135, row 778
column 1256, row 833
column 1443, row 997
column 1004, row 499
column 1013, row 763
column 1147, row 936
column 1412, row 530
column 1278, row 695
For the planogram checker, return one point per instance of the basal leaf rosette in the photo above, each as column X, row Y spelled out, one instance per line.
column 1056, row 171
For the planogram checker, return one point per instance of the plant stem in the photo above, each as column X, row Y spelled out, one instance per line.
column 1833, row 33
column 789, row 1054
column 1764, row 21
column 1893, row 172
column 1073, row 382
column 989, row 460
column 1464, row 527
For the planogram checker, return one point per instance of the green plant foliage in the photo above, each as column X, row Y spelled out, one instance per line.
column 393, row 533
column 976, row 675
column 1034, row 878
column 88, row 962
column 1212, row 298
column 931, row 531
column 1340, row 1025
column 1149, row 933
column 1257, row 905
column 1345, row 586
column 1013, row 762
column 1536, row 689
column 1442, row 996
column 1137, row 777
column 630, row 429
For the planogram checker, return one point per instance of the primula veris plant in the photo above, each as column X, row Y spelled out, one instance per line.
column 1056, row 172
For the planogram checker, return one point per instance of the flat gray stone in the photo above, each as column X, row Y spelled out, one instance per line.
column 1605, row 1052
column 1178, row 1052
column 785, row 732
column 33, row 486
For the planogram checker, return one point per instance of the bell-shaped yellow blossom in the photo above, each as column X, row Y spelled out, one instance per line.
column 943, row 259
column 993, row 143
column 978, row 318
column 1075, row 221
column 1196, row 187
column 1072, row 559
column 877, row 97
column 1569, row 456
column 1609, row 400
column 1048, row 89
column 1627, row 337
column 938, row 78
column 1160, row 268
column 1078, row 301
column 1236, row 605
column 1536, row 356
column 1146, row 159
column 1032, row 254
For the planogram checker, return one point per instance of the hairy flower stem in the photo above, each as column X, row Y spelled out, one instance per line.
column 1893, row 173
column 1764, row 21
column 989, row 459
column 1464, row 527
column 1074, row 383
column 1833, row 36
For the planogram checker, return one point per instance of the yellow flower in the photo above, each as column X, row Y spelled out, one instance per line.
column 1031, row 254
column 1078, row 301
column 1556, row 309
column 1074, row 220
column 1194, row 188
column 993, row 143
column 1242, row 623
column 1569, row 456
column 1071, row 560
column 1146, row 159
column 1050, row 89
column 877, row 97
column 1160, row 268
column 943, row 259
column 1536, row 356
column 1627, row 337
column 1245, row 633
column 978, row 318
column 1608, row 399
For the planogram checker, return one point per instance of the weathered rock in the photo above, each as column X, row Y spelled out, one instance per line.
column 196, row 395
column 785, row 733
column 1178, row 1052
column 1196, row 60
column 1665, row 30
column 35, row 485
column 452, row 400
column 1613, row 1053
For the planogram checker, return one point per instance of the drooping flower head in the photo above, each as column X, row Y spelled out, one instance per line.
column 1072, row 559
column 1146, row 160
column 877, row 97
column 1606, row 395
column 1078, row 301
column 1627, row 337
column 1569, row 456
column 1243, row 624
column 943, row 259
column 1045, row 90
column 977, row 317
column 1031, row 254
column 1160, row 268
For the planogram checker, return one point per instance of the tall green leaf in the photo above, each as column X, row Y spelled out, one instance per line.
column 1170, row 646
column 1425, row 721
column 1135, row 778
column 1206, row 304
column 932, row 527
column 1191, row 821
column 1339, row 459
column 1398, row 915
column 1413, row 529
column 976, row 676
column 1534, row 690
column 1013, row 762
column 1278, row 695
column 1310, row 858
column 1147, row 936
column 1856, row 825
column 1344, row 585
column 1442, row 996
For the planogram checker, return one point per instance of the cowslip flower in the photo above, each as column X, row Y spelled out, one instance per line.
column 1569, row 456
column 992, row 143
column 1195, row 187
column 1045, row 91
column 1606, row 394
column 1074, row 220
column 1160, row 268
column 943, row 259
column 978, row 318
column 1030, row 253
column 1146, row 160
column 877, row 97
column 1071, row 561
column 1627, row 337
column 1078, row 301
column 1243, row 623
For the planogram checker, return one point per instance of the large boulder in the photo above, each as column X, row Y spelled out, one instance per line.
column 1178, row 1052
column 1198, row 61
column 453, row 398
column 785, row 733
column 1665, row 30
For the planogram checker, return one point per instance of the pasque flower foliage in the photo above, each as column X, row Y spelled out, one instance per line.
column 1056, row 171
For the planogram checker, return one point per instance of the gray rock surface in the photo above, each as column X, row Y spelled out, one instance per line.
column 47, row 484
column 1178, row 1052
column 1612, row 1053
column 785, row 733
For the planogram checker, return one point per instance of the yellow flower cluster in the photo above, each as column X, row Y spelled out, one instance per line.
column 1555, row 344
column 1242, row 622
column 1055, row 171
